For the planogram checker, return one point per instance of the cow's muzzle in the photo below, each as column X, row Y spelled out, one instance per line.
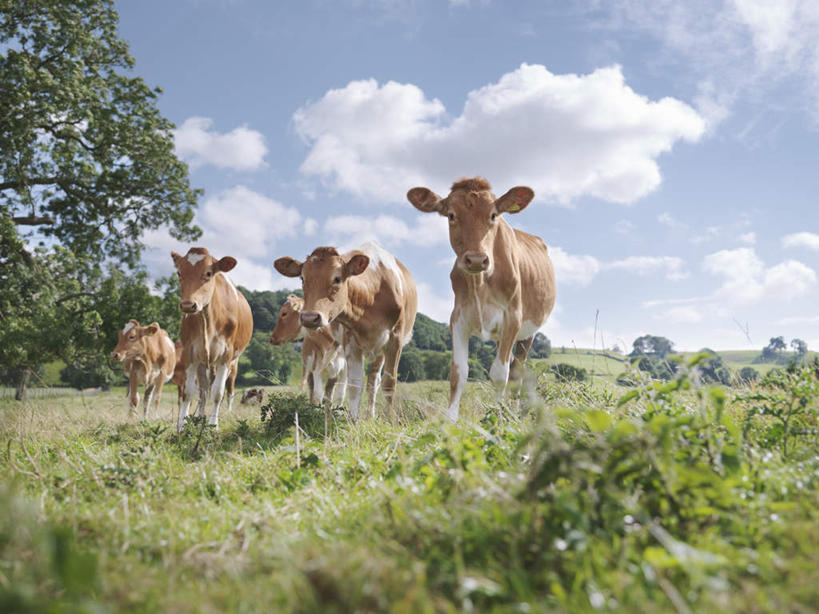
column 188, row 306
column 475, row 262
column 310, row 319
column 116, row 356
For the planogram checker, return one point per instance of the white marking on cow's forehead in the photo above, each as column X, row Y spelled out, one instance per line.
column 378, row 255
column 194, row 258
column 128, row 327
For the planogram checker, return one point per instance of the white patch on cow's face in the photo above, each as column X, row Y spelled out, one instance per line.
column 128, row 327
column 194, row 258
column 378, row 255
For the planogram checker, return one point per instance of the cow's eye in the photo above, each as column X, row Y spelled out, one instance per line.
column 494, row 216
column 336, row 280
column 208, row 275
column 451, row 217
column 132, row 337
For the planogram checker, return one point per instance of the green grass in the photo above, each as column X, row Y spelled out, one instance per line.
column 564, row 501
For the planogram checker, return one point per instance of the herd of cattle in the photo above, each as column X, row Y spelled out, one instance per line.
column 358, row 305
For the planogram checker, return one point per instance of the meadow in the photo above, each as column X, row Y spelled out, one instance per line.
column 573, row 497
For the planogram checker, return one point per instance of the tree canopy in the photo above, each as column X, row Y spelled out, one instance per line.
column 88, row 160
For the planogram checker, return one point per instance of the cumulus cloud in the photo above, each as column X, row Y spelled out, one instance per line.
column 666, row 219
column 240, row 149
column 749, row 238
column 236, row 222
column 580, row 270
column 564, row 135
column 746, row 278
column 808, row 240
column 310, row 227
column 348, row 231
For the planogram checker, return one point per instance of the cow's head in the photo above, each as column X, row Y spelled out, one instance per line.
column 129, row 344
column 473, row 213
column 197, row 270
column 288, row 326
column 324, row 277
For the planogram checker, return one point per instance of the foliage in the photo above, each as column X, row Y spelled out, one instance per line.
column 541, row 346
column 411, row 365
column 776, row 351
column 748, row 375
column 653, row 346
column 87, row 157
column 278, row 415
column 265, row 305
column 656, row 367
column 712, row 370
column 263, row 363
column 783, row 408
column 95, row 373
column 431, row 335
column 566, row 372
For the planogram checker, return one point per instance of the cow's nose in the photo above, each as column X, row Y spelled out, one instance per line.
column 187, row 307
column 273, row 340
column 476, row 261
column 114, row 356
column 310, row 319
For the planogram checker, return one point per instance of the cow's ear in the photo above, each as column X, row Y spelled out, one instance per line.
column 426, row 200
column 225, row 264
column 356, row 265
column 176, row 258
column 515, row 200
column 289, row 267
column 151, row 329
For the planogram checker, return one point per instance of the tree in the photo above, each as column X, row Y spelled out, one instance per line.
column 773, row 351
column 541, row 346
column 411, row 365
column 713, row 370
column 800, row 347
column 88, row 164
column 651, row 345
column 87, row 158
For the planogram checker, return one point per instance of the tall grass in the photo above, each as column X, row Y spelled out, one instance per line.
column 678, row 498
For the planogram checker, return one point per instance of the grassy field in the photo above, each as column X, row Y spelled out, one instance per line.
column 678, row 499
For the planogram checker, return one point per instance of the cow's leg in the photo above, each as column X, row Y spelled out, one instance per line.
column 133, row 393
column 459, row 370
column 341, row 386
column 158, row 394
column 355, row 379
column 231, row 383
column 392, row 356
column 202, row 375
column 217, row 391
column 374, row 382
column 316, row 386
column 499, row 372
column 191, row 375
column 146, row 401
column 330, row 387
column 522, row 348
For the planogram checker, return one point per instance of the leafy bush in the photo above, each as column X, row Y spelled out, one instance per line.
column 566, row 372
column 92, row 374
column 278, row 415
column 748, row 375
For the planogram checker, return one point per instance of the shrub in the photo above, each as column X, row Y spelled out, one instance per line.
column 566, row 372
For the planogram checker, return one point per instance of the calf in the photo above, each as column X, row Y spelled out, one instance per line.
column 373, row 296
column 322, row 353
column 503, row 278
column 148, row 357
column 215, row 330
column 253, row 395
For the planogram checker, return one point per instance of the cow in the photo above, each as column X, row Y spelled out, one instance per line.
column 215, row 330
column 148, row 357
column 322, row 352
column 253, row 395
column 180, row 375
column 373, row 296
column 503, row 278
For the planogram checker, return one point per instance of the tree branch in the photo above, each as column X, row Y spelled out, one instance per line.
column 16, row 185
column 33, row 220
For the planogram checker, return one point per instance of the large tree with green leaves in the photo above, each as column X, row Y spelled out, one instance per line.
column 87, row 157
column 88, row 165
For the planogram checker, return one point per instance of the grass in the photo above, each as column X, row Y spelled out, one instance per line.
column 675, row 500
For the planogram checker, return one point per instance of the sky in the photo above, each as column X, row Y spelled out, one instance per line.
column 672, row 146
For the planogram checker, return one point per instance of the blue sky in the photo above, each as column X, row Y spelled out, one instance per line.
column 672, row 146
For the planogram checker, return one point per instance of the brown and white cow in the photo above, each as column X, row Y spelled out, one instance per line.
column 503, row 278
column 322, row 352
column 216, row 327
column 149, row 358
column 373, row 296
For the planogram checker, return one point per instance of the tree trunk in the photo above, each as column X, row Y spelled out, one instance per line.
column 22, row 383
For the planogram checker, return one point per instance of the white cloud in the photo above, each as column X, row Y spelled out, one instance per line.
column 571, row 269
column 347, row 231
column 436, row 307
column 808, row 240
column 747, row 279
column 748, row 238
column 565, row 135
column 310, row 227
column 673, row 267
column 666, row 219
column 241, row 149
column 681, row 315
column 624, row 227
column 236, row 222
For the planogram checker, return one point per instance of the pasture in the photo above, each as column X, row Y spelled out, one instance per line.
column 676, row 498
